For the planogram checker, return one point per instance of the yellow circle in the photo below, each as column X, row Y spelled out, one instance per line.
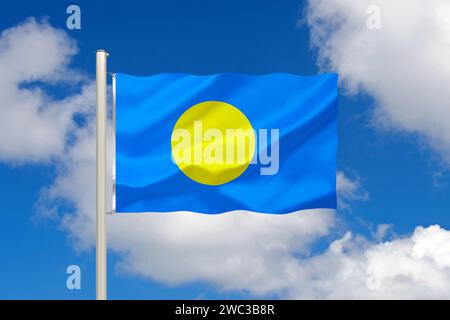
column 213, row 142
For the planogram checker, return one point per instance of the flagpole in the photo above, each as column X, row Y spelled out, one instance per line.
column 101, row 246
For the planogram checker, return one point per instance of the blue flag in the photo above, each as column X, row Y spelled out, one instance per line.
column 218, row 143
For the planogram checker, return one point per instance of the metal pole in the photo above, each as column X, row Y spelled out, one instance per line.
column 101, row 246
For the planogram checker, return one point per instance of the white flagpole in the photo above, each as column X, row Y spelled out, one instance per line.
column 101, row 246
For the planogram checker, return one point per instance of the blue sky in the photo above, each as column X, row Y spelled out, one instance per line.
column 396, row 169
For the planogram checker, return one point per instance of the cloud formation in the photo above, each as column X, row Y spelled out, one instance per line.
column 404, row 65
column 258, row 254
column 349, row 191
column 233, row 251
column 33, row 125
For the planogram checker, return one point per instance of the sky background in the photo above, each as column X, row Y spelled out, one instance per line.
column 402, row 180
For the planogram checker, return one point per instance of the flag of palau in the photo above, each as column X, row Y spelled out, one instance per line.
column 225, row 142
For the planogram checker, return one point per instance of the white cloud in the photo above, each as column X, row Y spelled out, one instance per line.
column 413, row 267
column 233, row 250
column 259, row 254
column 404, row 66
column 349, row 190
column 33, row 125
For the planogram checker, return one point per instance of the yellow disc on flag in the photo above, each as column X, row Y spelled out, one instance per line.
column 213, row 142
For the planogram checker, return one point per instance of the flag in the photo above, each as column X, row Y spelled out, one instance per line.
column 225, row 142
